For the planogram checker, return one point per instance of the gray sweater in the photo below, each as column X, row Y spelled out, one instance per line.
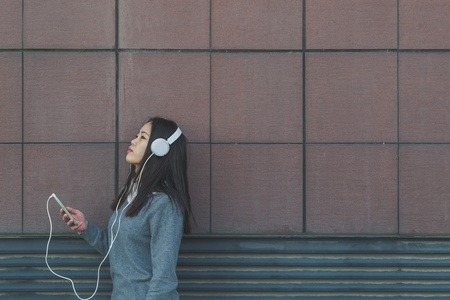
column 144, row 255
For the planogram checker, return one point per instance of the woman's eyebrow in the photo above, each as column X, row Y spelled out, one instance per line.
column 143, row 131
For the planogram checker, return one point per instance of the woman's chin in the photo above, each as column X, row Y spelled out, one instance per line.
column 129, row 159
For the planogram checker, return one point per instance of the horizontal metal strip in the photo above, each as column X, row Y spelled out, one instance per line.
column 319, row 261
column 56, row 285
column 315, row 245
column 215, row 259
column 298, row 261
column 336, row 275
column 238, row 273
column 248, row 244
column 344, row 276
column 54, row 296
column 314, row 286
column 243, row 295
column 310, row 295
column 53, row 262
column 232, row 256
column 38, row 245
column 246, row 286
column 305, row 255
column 32, row 274
column 307, row 295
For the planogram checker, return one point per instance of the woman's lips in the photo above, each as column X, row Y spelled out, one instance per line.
column 129, row 150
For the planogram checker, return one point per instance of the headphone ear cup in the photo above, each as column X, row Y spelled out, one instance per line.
column 160, row 147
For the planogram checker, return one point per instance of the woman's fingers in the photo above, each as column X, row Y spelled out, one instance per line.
column 77, row 215
column 66, row 218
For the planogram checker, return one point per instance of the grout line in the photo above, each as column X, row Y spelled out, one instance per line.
column 304, row 114
column 116, row 145
column 398, row 119
column 210, row 117
column 234, row 143
column 23, row 145
column 59, row 143
column 23, row 23
column 210, row 25
column 126, row 50
column 23, row 123
column 54, row 50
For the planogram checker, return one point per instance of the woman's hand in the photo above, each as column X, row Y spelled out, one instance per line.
column 77, row 215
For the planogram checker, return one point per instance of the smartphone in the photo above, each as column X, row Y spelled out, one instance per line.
column 65, row 210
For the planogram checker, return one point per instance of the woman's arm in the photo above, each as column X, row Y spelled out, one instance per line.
column 96, row 237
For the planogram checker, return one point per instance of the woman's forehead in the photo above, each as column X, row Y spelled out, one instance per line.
column 147, row 128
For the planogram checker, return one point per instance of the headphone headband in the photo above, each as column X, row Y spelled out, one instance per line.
column 174, row 136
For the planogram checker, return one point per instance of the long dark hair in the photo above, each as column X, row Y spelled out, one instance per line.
column 167, row 174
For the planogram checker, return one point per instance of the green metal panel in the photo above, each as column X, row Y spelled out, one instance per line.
column 246, row 267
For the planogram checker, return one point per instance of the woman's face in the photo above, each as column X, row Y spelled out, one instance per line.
column 138, row 146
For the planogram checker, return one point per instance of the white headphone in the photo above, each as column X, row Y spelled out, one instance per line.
column 161, row 147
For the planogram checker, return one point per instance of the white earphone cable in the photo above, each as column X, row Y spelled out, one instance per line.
column 113, row 238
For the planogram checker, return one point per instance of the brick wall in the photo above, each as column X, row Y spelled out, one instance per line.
column 320, row 117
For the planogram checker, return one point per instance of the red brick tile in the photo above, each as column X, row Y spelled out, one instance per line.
column 351, row 24
column 424, row 24
column 351, row 189
column 256, row 97
column 161, row 24
column 11, row 97
column 257, row 189
column 171, row 85
column 263, row 24
column 424, row 189
column 10, row 24
column 11, row 188
column 199, row 185
column 351, row 97
column 82, row 176
column 424, row 97
column 69, row 97
column 199, row 182
column 69, row 24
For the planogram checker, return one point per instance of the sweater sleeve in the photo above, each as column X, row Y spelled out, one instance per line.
column 96, row 237
column 166, row 228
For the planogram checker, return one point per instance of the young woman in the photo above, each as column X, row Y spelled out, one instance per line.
column 150, row 215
